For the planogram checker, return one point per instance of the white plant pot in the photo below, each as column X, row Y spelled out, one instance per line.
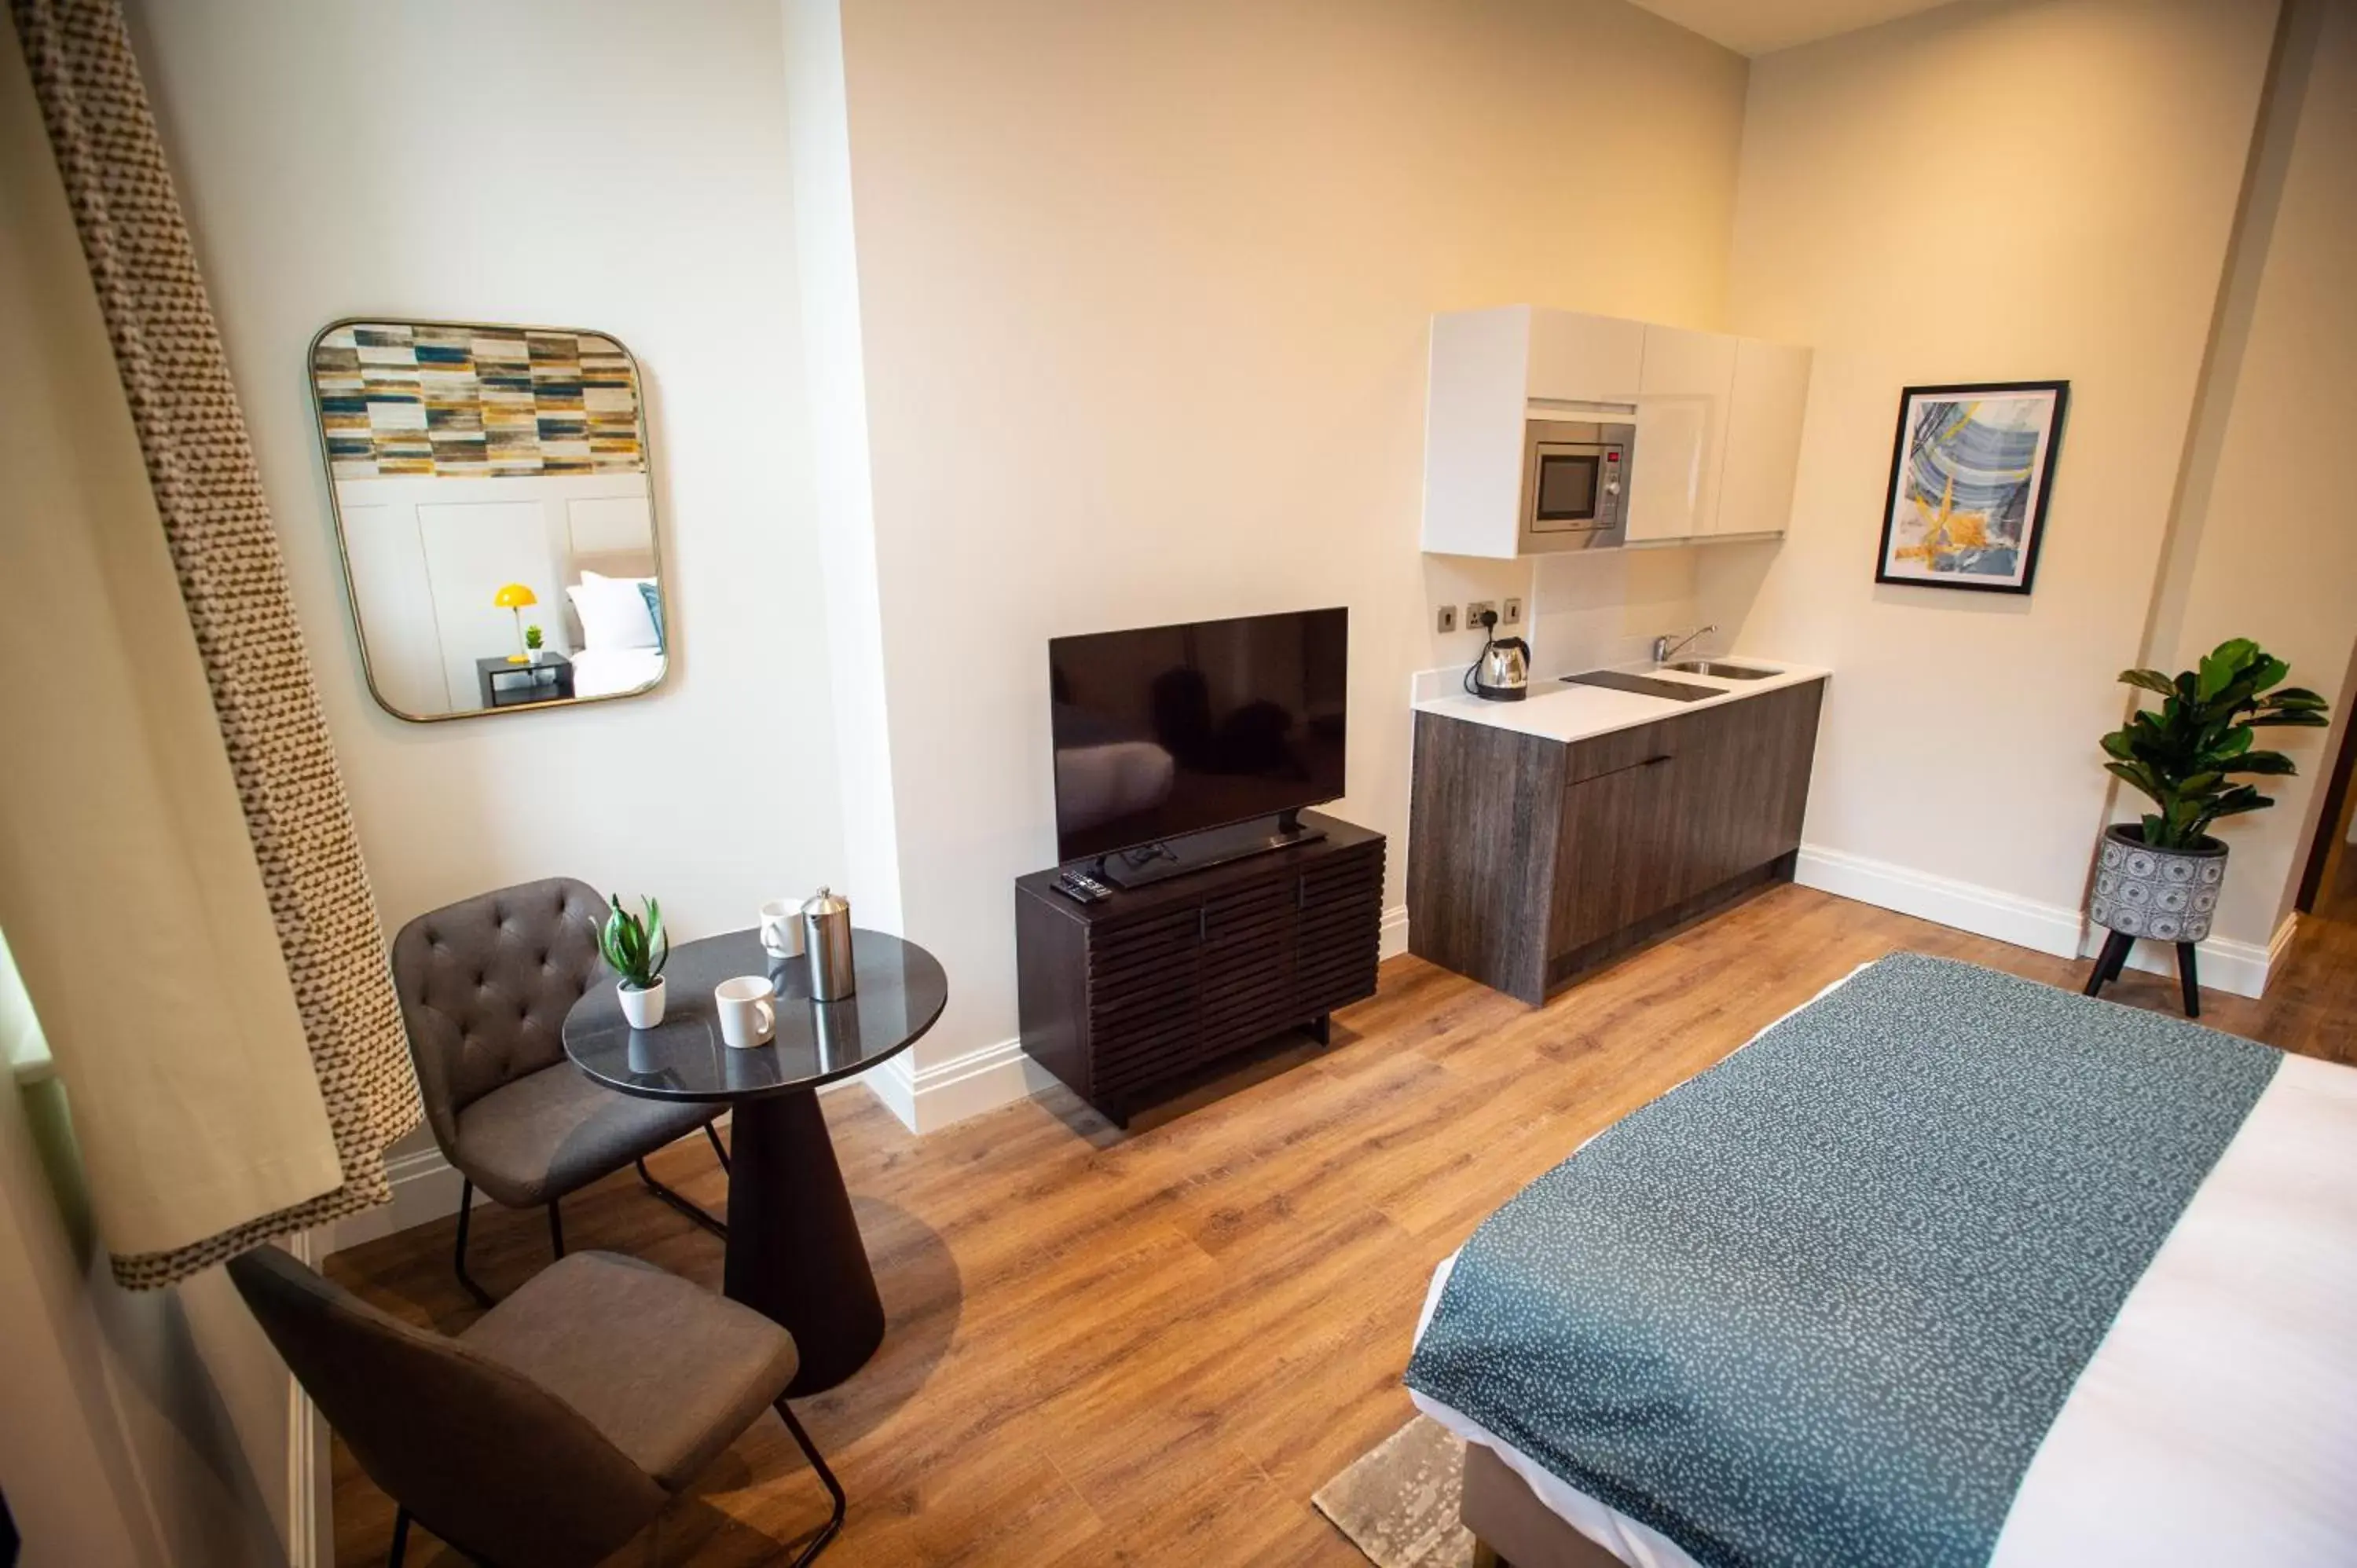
column 644, row 1009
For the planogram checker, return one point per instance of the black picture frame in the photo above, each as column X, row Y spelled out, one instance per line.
column 2045, row 453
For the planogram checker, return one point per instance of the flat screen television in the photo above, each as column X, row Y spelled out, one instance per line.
column 1172, row 730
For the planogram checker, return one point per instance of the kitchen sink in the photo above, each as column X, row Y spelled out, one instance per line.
column 1644, row 685
column 1724, row 672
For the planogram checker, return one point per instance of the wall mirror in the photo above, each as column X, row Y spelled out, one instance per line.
column 494, row 508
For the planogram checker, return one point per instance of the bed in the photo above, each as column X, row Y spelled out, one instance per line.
column 611, row 672
column 1945, row 1268
column 1104, row 773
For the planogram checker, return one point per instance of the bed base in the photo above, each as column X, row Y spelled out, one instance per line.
column 1512, row 1529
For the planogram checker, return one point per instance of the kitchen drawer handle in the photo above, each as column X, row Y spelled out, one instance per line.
column 1652, row 761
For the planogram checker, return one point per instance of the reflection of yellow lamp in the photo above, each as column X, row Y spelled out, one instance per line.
column 515, row 596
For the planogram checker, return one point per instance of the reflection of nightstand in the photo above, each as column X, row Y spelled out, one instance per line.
column 510, row 685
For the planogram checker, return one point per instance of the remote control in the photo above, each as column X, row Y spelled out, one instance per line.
column 1081, row 887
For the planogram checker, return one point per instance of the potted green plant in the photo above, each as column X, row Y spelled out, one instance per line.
column 2160, row 877
column 532, row 641
column 636, row 949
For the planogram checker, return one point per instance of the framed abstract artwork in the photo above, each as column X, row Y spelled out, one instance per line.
column 1970, row 471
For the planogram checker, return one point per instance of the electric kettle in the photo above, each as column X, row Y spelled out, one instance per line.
column 1503, row 674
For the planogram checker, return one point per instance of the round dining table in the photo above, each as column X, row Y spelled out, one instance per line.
column 793, row 1251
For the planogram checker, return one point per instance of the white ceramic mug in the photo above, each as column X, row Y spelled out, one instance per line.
column 748, row 1018
column 782, row 927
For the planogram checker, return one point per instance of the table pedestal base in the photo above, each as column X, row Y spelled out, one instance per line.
column 794, row 1251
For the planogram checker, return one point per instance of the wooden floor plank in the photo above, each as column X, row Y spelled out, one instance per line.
column 1152, row 1347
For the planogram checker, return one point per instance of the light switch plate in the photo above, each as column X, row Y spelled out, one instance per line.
column 1448, row 619
column 1476, row 609
column 1513, row 613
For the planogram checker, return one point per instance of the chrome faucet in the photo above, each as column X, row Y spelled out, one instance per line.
column 1664, row 647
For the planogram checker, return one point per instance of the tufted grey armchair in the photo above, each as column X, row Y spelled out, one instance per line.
column 484, row 985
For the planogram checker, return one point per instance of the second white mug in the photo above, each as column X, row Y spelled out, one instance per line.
column 748, row 1016
column 782, row 927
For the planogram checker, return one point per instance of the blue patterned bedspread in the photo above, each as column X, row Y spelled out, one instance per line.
column 1820, row 1304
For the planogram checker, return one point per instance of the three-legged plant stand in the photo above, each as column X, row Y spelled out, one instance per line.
column 2115, row 958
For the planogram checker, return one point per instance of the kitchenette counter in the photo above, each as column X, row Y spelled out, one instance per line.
column 1559, row 711
column 1547, row 836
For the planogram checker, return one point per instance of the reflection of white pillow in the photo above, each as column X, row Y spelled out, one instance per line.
column 613, row 612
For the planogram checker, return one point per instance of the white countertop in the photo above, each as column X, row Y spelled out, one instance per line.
column 1559, row 711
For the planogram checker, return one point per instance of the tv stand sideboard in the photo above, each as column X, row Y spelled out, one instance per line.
column 1124, row 999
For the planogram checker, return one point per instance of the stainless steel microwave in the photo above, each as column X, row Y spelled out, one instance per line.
column 1575, row 484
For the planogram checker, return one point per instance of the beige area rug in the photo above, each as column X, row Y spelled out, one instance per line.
column 1397, row 1502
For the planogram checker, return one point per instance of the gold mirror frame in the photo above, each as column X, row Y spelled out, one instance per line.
column 666, row 621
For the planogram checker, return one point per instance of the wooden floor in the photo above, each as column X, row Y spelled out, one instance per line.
column 1152, row 1347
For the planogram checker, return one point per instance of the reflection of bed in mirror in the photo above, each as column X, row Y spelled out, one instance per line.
column 1104, row 779
column 467, row 462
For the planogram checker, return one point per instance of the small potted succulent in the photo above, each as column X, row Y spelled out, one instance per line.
column 637, row 949
column 2160, row 877
column 531, row 643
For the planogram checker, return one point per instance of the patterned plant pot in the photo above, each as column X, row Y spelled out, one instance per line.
column 2168, row 895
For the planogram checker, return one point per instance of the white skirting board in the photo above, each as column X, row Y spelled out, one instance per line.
column 2241, row 968
column 930, row 1098
column 310, row 1487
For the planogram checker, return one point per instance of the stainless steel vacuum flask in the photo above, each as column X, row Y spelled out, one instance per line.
column 826, row 944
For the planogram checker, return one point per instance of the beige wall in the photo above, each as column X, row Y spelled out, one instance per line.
column 608, row 166
column 2267, row 545
column 1145, row 295
column 1986, row 192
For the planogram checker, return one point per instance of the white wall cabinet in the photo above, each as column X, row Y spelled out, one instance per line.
column 1763, row 437
column 1717, row 417
column 1683, row 393
column 1575, row 357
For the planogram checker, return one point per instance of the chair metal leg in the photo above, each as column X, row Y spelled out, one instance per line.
column 676, row 1201
column 555, row 1229
column 482, row 1297
column 833, row 1487
column 400, row 1537
column 718, row 1153
column 2189, row 979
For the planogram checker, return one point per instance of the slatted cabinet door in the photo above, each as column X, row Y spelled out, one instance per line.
column 1248, row 951
column 1341, row 931
column 1144, row 997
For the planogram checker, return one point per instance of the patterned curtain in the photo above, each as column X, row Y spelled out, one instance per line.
column 217, row 524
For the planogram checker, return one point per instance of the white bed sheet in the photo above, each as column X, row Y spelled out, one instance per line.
column 606, row 672
column 2216, row 1422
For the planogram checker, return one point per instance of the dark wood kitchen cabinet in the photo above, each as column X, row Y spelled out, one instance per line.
column 1531, row 860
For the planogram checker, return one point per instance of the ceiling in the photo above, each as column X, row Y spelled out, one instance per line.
column 1762, row 27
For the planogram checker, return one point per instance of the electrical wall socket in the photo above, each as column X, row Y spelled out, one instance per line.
column 1513, row 613
column 1448, row 619
column 1476, row 609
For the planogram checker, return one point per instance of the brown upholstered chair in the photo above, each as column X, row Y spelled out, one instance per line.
column 485, row 985
column 555, row 1428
